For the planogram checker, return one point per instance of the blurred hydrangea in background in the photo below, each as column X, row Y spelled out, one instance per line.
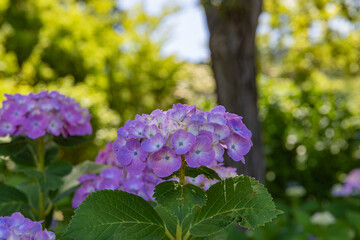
column 17, row 227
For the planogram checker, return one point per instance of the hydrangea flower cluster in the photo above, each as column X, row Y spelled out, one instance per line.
column 351, row 185
column 18, row 227
column 163, row 137
column 116, row 177
column 34, row 115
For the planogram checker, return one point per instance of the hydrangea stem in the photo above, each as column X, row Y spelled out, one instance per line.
column 179, row 231
column 40, row 168
column 182, row 171
column 41, row 154
column 182, row 182
column 187, row 235
column 168, row 234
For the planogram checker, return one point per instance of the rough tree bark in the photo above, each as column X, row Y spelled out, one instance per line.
column 232, row 25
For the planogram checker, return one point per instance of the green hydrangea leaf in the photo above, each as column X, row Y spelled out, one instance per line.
column 169, row 219
column 51, row 178
column 179, row 201
column 59, row 168
column 51, row 154
column 12, row 200
column 115, row 215
column 19, row 150
column 240, row 199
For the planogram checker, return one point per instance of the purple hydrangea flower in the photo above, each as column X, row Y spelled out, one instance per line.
column 216, row 118
column 198, row 118
column 141, row 183
column 35, row 125
column 107, row 179
column 165, row 162
column 110, row 178
column 201, row 137
column 235, row 123
column 153, row 143
column 55, row 125
column 35, row 115
column 4, row 232
column 218, row 109
column 182, row 141
column 136, row 166
column 351, row 185
column 132, row 151
column 6, row 127
column 107, row 156
column 44, row 235
column 201, row 152
column 237, row 147
column 17, row 226
column 198, row 181
column 122, row 132
column 150, row 131
column 71, row 115
column 13, row 113
column 137, row 129
column 82, row 192
column 221, row 132
column 180, row 111
column 219, row 152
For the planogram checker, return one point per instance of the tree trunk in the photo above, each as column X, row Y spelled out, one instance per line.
column 232, row 25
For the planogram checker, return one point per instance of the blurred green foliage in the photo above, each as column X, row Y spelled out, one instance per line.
column 309, row 102
column 311, row 133
column 299, row 37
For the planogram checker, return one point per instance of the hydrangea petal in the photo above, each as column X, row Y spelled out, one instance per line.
column 35, row 126
column 201, row 153
column 165, row 162
column 218, row 109
column 198, row 118
column 136, row 166
column 55, row 126
column 219, row 152
column 13, row 114
column 44, row 235
column 239, row 144
column 153, row 144
column 6, row 128
column 137, row 131
column 182, row 141
column 221, row 132
column 151, row 131
column 239, row 128
column 216, row 118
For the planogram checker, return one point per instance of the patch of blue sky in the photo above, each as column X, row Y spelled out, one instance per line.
column 186, row 30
